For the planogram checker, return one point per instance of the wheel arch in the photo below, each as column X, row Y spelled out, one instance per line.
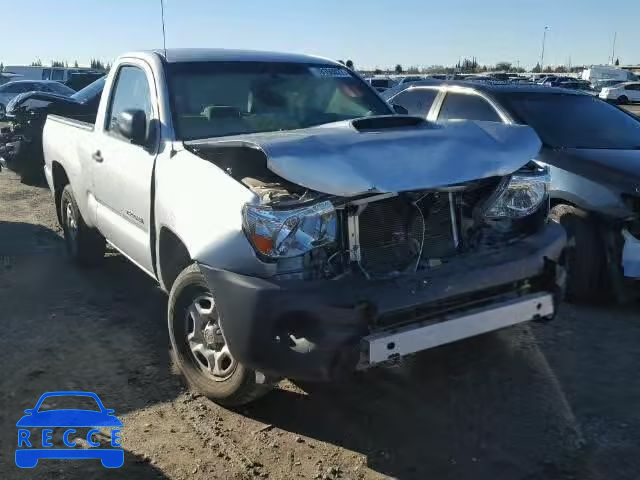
column 173, row 257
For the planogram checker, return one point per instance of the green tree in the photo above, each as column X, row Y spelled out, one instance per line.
column 1, row 67
column 36, row 63
column 97, row 64
column 57, row 63
column 537, row 68
column 75, row 64
column 504, row 66
column 617, row 62
column 560, row 69
column 398, row 68
column 350, row 64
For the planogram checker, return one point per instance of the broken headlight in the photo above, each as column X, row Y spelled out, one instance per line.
column 522, row 196
column 289, row 233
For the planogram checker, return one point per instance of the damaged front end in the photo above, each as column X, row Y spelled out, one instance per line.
column 357, row 276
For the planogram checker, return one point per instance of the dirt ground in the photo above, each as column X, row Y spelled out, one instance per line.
column 543, row 401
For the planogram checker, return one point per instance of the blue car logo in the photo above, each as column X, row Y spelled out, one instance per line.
column 32, row 448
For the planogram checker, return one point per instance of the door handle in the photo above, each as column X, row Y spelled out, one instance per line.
column 97, row 156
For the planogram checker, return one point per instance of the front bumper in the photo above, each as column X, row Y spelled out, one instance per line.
column 319, row 330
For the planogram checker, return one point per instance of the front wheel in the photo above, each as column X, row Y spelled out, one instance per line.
column 199, row 348
column 586, row 256
column 623, row 100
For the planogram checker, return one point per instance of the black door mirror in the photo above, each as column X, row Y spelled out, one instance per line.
column 399, row 109
column 132, row 125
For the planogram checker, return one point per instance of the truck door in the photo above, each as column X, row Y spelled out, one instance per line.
column 122, row 171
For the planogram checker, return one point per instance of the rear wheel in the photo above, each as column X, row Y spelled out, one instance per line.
column 85, row 246
column 586, row 256
column 623, row 100
column 199, row 348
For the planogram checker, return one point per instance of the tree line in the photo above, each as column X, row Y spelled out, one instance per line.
column 95, row 64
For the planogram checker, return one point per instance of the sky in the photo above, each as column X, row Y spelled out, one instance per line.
column 372, row 33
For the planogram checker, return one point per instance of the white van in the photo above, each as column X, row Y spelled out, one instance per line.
column 604, row 72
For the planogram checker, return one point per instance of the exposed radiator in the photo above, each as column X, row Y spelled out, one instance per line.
column 392, row 233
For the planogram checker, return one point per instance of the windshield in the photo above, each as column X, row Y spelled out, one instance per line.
column 575, row 121
column 212, row 99
column 56, row 87
column 89, row 92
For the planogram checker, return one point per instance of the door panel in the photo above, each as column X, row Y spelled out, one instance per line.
column 123, row 171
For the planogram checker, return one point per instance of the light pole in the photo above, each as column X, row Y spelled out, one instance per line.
column 544, row 38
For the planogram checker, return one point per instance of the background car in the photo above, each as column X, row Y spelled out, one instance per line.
column 576, row 84
column 11, row 89
column 622, row 93
column 593, row 151
column 410, row 79
column 381, row 83
column 21, row 147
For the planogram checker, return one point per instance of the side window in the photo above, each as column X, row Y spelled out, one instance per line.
column 57, row 74
column 417, row 101
column 462, row 106
column 130, row 92
column 635, row 86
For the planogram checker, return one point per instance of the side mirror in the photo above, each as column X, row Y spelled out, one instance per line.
column 132, row 125
column 399, row 109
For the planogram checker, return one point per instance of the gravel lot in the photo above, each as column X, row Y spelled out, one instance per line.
column 540, row 401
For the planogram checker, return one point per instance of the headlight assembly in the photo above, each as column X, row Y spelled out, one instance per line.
column 289, row 233
column 522, row 196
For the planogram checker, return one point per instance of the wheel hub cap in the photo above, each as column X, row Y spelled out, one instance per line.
column 205, row 338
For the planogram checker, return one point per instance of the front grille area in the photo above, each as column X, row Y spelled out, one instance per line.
column 392, row 233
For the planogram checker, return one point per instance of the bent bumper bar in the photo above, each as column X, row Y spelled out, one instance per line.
column 314, row 329
column 387, row 345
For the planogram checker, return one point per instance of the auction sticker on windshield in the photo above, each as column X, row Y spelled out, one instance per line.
column 51, row 430
column 333, row 72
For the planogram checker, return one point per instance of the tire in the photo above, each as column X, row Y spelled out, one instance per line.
column 623, row 100
column 85, row 246
column 30, row 166
column 586, row 259
column 192, row 305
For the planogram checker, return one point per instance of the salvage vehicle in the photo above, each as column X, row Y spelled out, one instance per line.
column 300, row 227
column 21, row 145
column 593, row 152
column 16, row 87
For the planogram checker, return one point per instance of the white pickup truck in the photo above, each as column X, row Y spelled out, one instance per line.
column 301, row 227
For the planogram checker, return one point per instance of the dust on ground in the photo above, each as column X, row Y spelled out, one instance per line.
column 540, row 401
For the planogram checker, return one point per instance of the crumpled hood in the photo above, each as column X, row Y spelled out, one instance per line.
column 341, row 160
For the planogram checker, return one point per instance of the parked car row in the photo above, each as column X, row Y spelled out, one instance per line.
column 592, row 150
